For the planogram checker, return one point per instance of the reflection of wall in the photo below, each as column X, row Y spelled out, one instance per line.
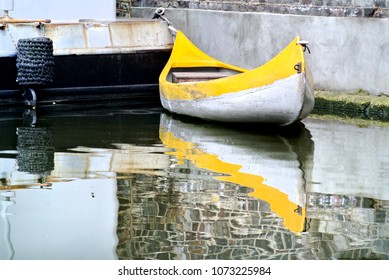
column 349, row 159
column 191, row 216
column 348, row 227
column 347, row 204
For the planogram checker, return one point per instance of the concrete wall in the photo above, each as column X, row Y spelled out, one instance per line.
column 347, row 53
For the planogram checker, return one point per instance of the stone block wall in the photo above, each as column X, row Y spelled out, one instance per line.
column 336, row 8
column 123, row 8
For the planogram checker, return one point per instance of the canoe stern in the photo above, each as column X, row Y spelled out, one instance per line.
column 307, row 92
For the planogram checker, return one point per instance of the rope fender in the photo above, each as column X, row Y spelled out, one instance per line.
column 35, row 62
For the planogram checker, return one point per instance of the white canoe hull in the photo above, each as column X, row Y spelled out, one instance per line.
column 282, row 102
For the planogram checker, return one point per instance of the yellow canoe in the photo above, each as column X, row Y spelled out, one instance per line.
column 195, row 84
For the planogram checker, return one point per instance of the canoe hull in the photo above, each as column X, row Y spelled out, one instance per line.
column 282, row 102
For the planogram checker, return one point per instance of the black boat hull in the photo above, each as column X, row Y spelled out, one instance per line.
column 85, row 78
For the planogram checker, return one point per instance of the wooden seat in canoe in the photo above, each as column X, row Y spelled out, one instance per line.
column 185, row 77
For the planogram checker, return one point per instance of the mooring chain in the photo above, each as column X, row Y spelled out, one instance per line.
column 5, row 26
column 10, row 35
column 160, row 13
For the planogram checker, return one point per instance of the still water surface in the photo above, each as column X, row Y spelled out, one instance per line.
column 142, row 184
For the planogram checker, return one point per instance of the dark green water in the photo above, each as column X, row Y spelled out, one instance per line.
column 140, row 184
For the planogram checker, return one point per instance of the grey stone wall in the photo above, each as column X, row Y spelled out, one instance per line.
column 123, row 8
column 337, row 8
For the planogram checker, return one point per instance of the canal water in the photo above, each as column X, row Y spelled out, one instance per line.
column 136, row 183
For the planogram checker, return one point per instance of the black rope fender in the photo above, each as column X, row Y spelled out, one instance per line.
column 35, row 62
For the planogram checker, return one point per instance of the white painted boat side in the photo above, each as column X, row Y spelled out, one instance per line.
column 91, row 37
column 281, row 102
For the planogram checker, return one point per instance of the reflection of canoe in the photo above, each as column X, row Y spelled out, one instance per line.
column 270, row 164
column 195, row 84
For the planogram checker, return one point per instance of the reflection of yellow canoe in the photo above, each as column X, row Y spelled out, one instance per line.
column 195, row 84
column 266, row 163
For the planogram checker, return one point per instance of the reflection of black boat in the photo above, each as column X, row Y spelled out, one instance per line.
column 76, row 203
column 277, row 165
column 69, row 145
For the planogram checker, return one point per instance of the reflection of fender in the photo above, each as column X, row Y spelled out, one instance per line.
column 35, row 150
column 267, row 163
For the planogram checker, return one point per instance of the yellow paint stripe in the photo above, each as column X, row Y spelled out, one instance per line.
column 185, row 54
column 278, row 200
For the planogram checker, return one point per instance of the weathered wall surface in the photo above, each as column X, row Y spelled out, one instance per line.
column 347, row 53
column 349, row 39
column 339, row 8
